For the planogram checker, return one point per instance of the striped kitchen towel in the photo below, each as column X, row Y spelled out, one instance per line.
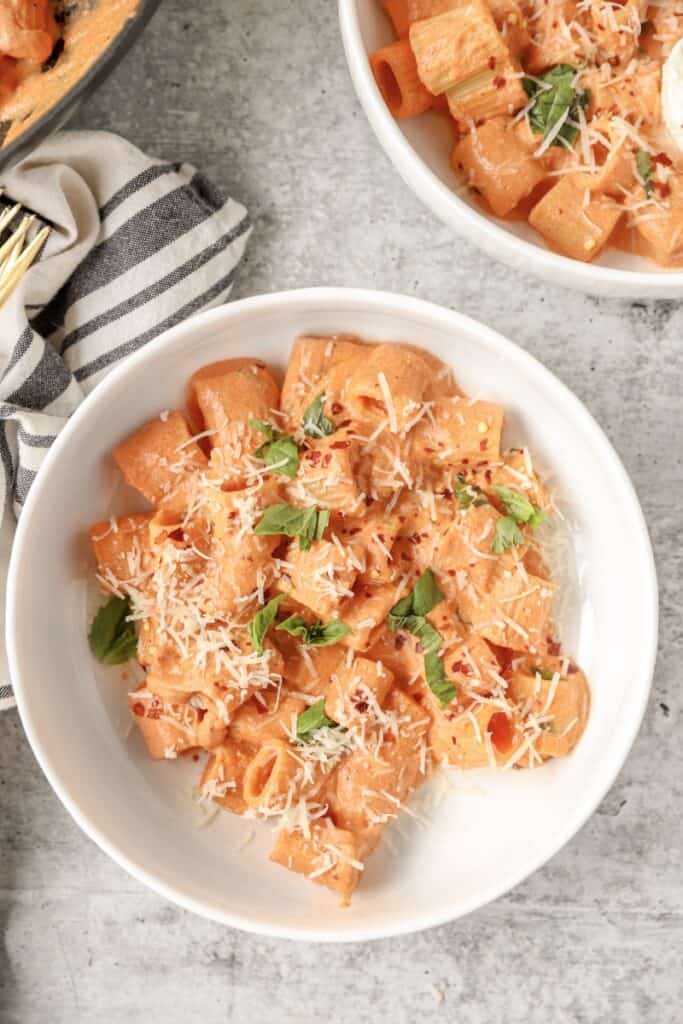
column 136, row 246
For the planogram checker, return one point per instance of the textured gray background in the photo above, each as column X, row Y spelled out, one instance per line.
column 256, row 93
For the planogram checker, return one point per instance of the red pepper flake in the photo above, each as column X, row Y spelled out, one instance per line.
column 399, row 642
column 554, row 648
column 663, row 159
column 499, row 82
column 462, row 667
column 261, row 709
column 345, row 423
column 359, row 702
column 195, row 757
column 340, row 444
column 154, row 710
column 327, row 459
column 314, row 457
column 336, row 408
column 492, row 63
column 415, row 538
column 572, row 669
column 483, row 445
column 139, row 709
column 200, row 714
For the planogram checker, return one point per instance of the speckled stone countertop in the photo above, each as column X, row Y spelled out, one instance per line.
column 256, row 94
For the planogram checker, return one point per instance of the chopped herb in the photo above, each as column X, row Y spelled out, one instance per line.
column 430, row 639
column 544, row 673
column 315, row 422
column 112, row 636
column 409, row 614
column 507, row 535
column 262, row 621
column 469, row 494
column 556, row 100
column 265, row 428
column 311, row 719
column 280, row 451
column 424, row 596
column 315, row 634
column 519, row 507
column 308, row 524
column 435, row 674
column 645, row 168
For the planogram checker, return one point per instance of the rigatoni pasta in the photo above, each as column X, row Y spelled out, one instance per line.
column 340, row 588
column 559, row 111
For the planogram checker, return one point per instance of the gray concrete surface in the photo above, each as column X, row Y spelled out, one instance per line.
column 256, row 93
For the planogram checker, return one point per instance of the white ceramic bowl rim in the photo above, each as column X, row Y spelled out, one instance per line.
column 335, row 299
column 475, row 226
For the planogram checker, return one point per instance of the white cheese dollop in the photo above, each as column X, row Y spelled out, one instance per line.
column 672, row 93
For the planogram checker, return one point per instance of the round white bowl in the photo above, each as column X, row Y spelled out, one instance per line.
column 420, row 151
column 492, row 828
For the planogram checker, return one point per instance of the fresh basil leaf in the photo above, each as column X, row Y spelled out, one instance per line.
column 645, row 168
column 409, row 614
column 112, row 638
column 424, row 596
column 469, row 494
column 555, row 99
column 507, row 535
column 265, row 428
column 315, row 423
column 519, row 507
column 308, row 524
column 322, row 522
column 538, row 518
column 311, row 719
column 262, row 621
column 317, row 634
column 430, row 638
column 280, row 451
column 282, row 455
column 544, row 673
column 435, row 674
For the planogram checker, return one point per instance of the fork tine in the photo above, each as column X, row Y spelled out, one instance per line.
column 14, row 242
column 8, row 215
column 22, row 264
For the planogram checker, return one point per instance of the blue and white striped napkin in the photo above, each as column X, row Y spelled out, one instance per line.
column 137, row 245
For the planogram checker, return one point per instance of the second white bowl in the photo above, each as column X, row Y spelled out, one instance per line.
column 420, row 151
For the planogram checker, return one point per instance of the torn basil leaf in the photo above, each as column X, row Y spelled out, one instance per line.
column 112, row 637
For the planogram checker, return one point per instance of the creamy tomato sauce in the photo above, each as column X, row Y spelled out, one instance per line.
column 338, row 589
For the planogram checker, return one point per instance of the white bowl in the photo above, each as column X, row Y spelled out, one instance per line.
column 492, row 828
column 420, row 150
